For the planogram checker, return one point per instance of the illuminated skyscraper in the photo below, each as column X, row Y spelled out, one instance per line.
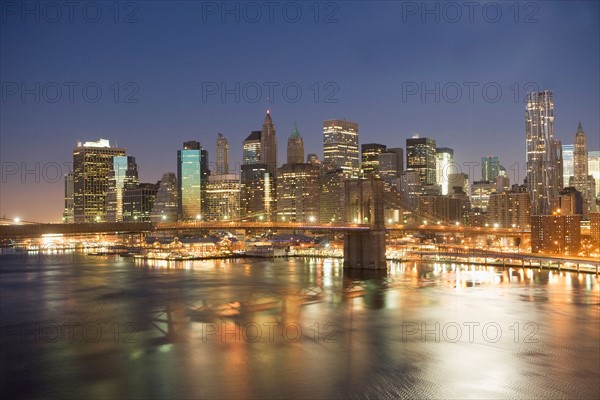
column 138, row 202
column 340, row 147
column 567, row 154
column 268, row 145
column 298, row 193
column 123, row 175
column 582, row 181
column 189, row 179
column 370, row 158
column 92, row 163
column 594, row 169
column 223, row 198
column 68, row 216
column 295, row 147
column 251, row 148
column 444, row 166
column 544, row 172
column 421, row 157
column 222, row 155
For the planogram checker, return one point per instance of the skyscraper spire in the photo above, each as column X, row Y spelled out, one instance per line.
column 268, row 143
column 295, row 147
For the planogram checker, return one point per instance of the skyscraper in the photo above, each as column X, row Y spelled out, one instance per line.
column 399, row 158
column 388, row 164
column 166, row 202
column 340, row 146
column 567, row 154
column 222, row 155
column 268, row 145
column 189, row 179
column 295, row 147
column 370, row 158
column 223, row 198
column 543, row 164
column 123, row 175
column 68, row 217
column 490, row 168
column 92, row 162
column 251, row 148
column 421, row 157
column 298, row 193
column 582, row 180
column 444, row 166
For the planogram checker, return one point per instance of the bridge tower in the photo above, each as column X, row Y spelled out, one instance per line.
column 364, row 205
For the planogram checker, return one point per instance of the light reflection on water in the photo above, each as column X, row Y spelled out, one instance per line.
column 296, row 328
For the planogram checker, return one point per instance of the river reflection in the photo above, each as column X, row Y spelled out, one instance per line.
column 79, row 326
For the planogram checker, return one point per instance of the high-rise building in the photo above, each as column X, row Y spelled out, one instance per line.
column 222, row 155
column 138, row 202
column 490, row 168
column 370, row 158
column 388, row 164
column 340, row 146
column 192, row 173
column 595, row 231
column 582, row 181
column 444, row 166
column 166, row 204
column 223, row 198
column 570, row 201
column 399, row 158
column 421, row 157
column 509, row 210
column 295, row 147
column 544, row 174
column 459, row 181
column 92, row 162
column 257, row 195
column 409, row 186
column 68, row 213
column 123, row 175
column 594, row 169
column 443, row 209
column 332, row 201
column 556, row 233
column 567, row 153
column 298, row 193
column 480, row 194
column 268, row 145
column 252, row 148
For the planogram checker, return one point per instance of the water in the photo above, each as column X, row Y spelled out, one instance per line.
column 77, row 326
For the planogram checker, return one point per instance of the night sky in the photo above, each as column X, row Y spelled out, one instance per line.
column 159, row 63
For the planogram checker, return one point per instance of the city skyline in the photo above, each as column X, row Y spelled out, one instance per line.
column 164, row 112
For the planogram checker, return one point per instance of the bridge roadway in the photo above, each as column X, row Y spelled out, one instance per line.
column 19, row 231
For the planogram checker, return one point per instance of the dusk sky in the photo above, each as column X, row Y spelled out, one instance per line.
column 366, row 56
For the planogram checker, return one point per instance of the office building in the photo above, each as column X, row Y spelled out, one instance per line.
column 332, row 203
column 295, row 147
column 123, row 175
column 567, row 154
column 480, row 194
column 444, row 166
column 388, row 164
column 257, row 195
column 399, row 158
column 509, row 209
column 68, row 213
column 223, row 198
column 252, row 148
column 298, row 193
column 166, row 203
column 268, row 145
column 92, row 163
column 138, row 202
column 340, row 147
column 222, row 155
column 370, row 158
column 582, row 181
column 421, row 157
column 189, row 178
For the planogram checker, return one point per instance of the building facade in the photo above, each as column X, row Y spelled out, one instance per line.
column 421, row 157
column 340, row 146
column 544, row 160
column 222, row 151
column 92, row 163
column 444, row 166
column 123, row 175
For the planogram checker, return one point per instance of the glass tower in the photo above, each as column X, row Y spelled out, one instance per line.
column 189, row 178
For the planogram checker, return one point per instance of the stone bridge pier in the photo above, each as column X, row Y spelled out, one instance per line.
column 364, row 205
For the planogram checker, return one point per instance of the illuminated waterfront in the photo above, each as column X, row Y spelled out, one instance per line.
column 294, row 328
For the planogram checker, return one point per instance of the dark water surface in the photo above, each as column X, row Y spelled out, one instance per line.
column 77, row 326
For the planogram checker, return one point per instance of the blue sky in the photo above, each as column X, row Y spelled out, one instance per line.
column 365, row 56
